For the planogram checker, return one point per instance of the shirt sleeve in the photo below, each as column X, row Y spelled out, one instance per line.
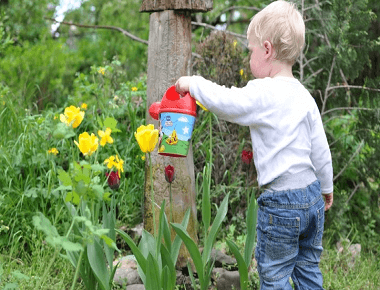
column 236, row 105
column 321, row 155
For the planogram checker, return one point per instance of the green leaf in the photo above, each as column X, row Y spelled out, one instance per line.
column 106, row 196
column 18, row 275
column 251, row 220
column 147, row 244
column 97, row 167
column 62, row 188
column 192, row 248
column 111, row 123
column 161, row 227
column 167, row 262
column 73, row 197
column 135, row 250
column 98, row 190
column 64, row 177
column 95, row 257
column 166, row 231
column 191, row 274
column 220, row 215
column 165, row 278
column 206, row 206
column 43, row 224
column 243, row 268
column 70, row 246
column 177, row 240
column 153, row 279
column 31, row 192
column 11, row 286
column 110, row 243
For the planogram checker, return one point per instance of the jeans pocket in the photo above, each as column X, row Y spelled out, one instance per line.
column 320, row 220
column 282, row 234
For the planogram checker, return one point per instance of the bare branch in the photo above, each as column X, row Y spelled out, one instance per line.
column 346, row 108
column 353, row 192
column 309, row 60
column 353, row 87
column 126, row 33
column 213, row 27
column 349, row 161
column 314, row 74
column 328, row 85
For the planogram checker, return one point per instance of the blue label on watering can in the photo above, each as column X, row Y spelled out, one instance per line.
column 175, row 134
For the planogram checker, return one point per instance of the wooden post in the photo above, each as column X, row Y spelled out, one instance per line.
column 169, row 57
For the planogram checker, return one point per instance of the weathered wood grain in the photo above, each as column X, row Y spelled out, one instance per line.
column 169, row 57
column 192, row 5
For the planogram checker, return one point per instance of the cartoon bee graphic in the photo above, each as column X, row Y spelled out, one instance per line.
column 173, row 138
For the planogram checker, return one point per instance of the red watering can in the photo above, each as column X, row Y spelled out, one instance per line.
column 177, row 118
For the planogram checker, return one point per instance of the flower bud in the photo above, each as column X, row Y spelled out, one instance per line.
column 113, row 180
column 246, row 156
column 169, row 173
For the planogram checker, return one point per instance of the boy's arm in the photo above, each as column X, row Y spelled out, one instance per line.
column 237, row 105
column 321, row 155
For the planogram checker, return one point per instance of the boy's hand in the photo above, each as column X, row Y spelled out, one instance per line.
column 182, row 86
column 328, row 200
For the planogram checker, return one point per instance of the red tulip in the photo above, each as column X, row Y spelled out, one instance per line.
column 113, row 179
column 246, row 156
column 169, row 173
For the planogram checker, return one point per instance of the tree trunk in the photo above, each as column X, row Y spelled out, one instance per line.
column 169, row 57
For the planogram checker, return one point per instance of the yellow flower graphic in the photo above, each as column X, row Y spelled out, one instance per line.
column 200, row 105
column 105, row 137
column 53, row 151
column 134, row 89
column 87, row 144
column 115, row 161
column 72, row 116
column 102, row 70
column 147, row 137
column 84, row 106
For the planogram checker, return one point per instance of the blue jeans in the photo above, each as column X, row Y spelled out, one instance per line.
column 289, row 238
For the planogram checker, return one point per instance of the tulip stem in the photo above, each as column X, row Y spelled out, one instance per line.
column 246, row 182
column 171, row 203
column 152, row 195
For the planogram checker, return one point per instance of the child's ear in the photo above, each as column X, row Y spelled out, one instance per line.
column 268, row 47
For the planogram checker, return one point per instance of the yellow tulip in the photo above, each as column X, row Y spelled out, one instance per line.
column 105, row 137
column 147, row 137
column 72, row 116
column 87, row 144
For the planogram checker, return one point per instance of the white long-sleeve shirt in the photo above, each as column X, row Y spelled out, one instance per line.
column 285, row 124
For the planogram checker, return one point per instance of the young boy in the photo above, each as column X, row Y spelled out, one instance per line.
column 291, row 153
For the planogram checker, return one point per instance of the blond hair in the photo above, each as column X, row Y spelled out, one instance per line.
column 281, row 24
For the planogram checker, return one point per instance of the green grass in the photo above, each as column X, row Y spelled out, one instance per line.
column 339, row 273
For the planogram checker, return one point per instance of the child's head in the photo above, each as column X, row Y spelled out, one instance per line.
column 282, row 25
